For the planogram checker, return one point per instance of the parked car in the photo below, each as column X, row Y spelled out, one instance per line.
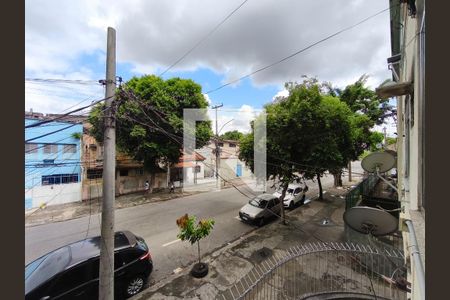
column 295, row 194
column 260, row 209
column 72, row 271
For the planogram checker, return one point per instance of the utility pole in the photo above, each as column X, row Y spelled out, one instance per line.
column 385, row 138
column 217, row 148
column 106, row 276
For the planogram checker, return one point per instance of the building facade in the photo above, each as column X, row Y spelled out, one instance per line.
column 130, row 174
column 52, row 161
column 408, row 67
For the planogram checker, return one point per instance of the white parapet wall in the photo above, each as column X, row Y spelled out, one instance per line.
column 54, row 194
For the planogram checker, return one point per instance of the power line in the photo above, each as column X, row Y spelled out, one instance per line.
column 50, row 133
column 203, row 39
column 298, row 52
column 66, row 114
column 74, row 81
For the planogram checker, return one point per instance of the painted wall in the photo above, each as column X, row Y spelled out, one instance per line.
column 38, row 163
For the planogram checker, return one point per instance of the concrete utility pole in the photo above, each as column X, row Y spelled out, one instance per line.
column 217, row 148
column 106, row 276
column 385, row 138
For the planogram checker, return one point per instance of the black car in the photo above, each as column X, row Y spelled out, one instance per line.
column 72, row 271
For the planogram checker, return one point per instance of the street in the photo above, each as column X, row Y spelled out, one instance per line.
column 155, row 222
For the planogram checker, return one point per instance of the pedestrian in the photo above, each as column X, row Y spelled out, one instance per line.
column 146, row 186
column 172, row 187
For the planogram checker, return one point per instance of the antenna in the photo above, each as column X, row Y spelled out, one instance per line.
column 379, row 162
column 369, row 220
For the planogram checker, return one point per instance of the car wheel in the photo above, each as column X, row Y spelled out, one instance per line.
column 291, row 205
column 303, row 200
column 134, row 285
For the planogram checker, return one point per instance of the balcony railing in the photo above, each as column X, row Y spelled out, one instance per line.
column 323, row 271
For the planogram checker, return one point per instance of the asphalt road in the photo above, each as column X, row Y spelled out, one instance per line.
column 155, row 222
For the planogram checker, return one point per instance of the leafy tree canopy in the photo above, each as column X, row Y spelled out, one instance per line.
column 149, row 118
column 232, row 135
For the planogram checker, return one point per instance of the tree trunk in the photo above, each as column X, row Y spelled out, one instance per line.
column 198, row 247
column 337, row 178
column 283, row 194
column 152, row 181
column 350, row 171
column 320, row 187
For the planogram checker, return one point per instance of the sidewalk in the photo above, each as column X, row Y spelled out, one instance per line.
column 230, row 263
column 68, row 211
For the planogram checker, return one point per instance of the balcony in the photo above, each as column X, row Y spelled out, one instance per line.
column 325, row 271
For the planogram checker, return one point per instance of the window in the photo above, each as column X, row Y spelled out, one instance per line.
column 297, row 190
column 59, row 179
column 123, row 172
column 31, row 148
column 50, row 148
column 140, row 172
column 125, row 257
column 73, row 278
column 197, row 169
column 94, row 173
column 220, row 144
column 47, row 162
column 72, row 148
column 232, row 145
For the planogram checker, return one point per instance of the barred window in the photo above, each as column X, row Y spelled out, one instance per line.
column 59, row 179
column 94, row 173
column 72, row 148
column 51, row 148
column 31, row 148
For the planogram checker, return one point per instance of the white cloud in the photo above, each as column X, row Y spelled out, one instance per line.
column 207, row 99
column 152, row 34
column 281, row 94
column 231, row 118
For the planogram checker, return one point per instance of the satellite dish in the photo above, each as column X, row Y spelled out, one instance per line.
column 369, row 220
column 383, row 160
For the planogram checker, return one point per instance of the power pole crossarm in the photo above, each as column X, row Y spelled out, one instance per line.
column 106, row 274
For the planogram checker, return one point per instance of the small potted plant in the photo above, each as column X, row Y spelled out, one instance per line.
column 193, row 232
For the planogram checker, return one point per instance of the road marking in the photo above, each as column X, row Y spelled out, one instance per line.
column 170, row 243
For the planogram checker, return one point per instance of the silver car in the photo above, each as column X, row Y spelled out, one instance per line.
column 260, row 209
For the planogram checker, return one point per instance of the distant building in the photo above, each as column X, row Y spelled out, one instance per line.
column 130, row 174
column 52, row 160
column 230, row 166
column 189, row 168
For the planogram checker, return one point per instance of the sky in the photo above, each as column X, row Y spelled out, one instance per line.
column 67, row 40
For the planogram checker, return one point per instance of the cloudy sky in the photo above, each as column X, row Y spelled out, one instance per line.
column 67, row 39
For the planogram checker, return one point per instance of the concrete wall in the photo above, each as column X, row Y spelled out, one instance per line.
column 410, row 138
column 134, row 182
column 54, row 194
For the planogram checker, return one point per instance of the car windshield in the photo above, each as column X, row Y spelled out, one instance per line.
column 288, row 191
column 258, row 202
column 44, row 268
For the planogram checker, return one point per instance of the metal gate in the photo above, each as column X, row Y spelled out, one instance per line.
column 323, row 271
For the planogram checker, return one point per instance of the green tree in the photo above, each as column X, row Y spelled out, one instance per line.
column 365, row 101
column 368, row 110
column 149, row 119
column 192, row 232
column 308, row 133
column 232, row 135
